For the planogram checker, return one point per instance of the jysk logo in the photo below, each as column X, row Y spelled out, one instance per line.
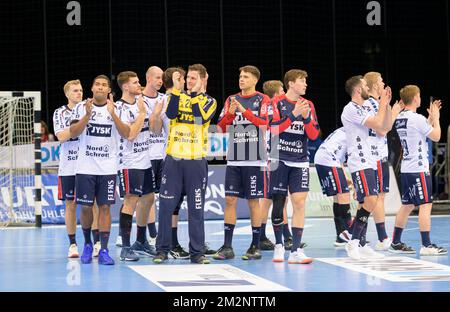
column 98, row 130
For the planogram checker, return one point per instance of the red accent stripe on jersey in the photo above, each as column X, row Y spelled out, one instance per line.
column 380, row 175
column 126, row 180
column 336, row 178
column 364, row 181
column 60, row 197
column 424, row 186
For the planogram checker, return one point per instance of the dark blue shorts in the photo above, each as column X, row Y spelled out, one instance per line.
column 245, row 182
column 284, row 178
column 365, row 183
column 383, row 176
column 95, row 187
column 136, row 182
column 416, row 188
column 157, row 166
column 66, row 188
column 332, row 180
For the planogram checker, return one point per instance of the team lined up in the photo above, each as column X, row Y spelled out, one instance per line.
column 158, row 143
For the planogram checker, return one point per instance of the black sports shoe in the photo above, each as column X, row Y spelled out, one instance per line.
column 401, row 248
column 288, row 243
column 224, row 253
column 160, row 257
column 179, row 253
column 201, row 260
column 252, row 253
column 266, row 244
column 339, row 242
column 207, row 251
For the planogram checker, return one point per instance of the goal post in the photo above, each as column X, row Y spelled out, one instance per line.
column 20, row 158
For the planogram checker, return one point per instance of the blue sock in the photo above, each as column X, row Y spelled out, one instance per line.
column 362, row 239
column 425, row 238
column 152, row 230
column 228, row 229
column 72, row 239
column 95, row 236
column 256, row 235
column 126, row 222
column 278, row 231
column 175, row 237
column 397, row 236
column 360, row 222
column 104, row 238
column 141, row 233
column 286, row 233
column 296, row 238
column 87, row 236
column 263, row 231
column 381, row 231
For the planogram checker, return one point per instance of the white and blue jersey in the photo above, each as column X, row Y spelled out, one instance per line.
column 359, row 151
column 333, row 151
column 98, row 146
column 158, row 142
column 413, row 129
column 68, row 152
column 134, row 154
column 378, row 144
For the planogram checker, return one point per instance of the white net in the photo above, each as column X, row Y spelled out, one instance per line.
column 16, row 160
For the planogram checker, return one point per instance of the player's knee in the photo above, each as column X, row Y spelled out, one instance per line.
column 230, row 201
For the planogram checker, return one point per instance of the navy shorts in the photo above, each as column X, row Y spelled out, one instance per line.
column 157, row 166
column 284, row 178
column 332, row 180
column 245, row 182
column 66, row 188
column 416, row 188
column 136, row 182
column 95, row 187
column 365, row 183
column 383, row 176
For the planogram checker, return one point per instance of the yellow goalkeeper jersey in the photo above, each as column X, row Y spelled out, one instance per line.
column 189, row 121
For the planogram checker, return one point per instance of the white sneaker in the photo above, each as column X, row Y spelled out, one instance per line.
column 119, row 241
column 278, row 253
column 384, row 245
column 346, row 236
column 152, row 241
column 73, row 251
column 299, row 257
column 352, row 249
column 97, row 247
column 367, row 252
column 432, row 250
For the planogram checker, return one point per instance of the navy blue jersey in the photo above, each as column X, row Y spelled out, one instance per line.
column 289, row 134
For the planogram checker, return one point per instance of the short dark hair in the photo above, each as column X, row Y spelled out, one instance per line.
column 352, row 83
column 167, row 76
column 252, row 70
column 102, row 77
column 293, row 75
column 199, row 68
column 124, row 77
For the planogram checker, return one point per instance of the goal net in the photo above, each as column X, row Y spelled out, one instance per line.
column 20, row 159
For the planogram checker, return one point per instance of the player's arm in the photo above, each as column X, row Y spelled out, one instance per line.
column 174, row 102
column 377, row 122
column 278, row 125
column 228, row 114
column 203, row 112
column 312, row 128
column 259, row 121
column 136, row 126
column 77, row 125
column 122, row 128
column 435, row 134
column 63, row 134
column 156, row 122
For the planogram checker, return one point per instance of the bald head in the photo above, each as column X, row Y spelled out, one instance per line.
column 154, row 77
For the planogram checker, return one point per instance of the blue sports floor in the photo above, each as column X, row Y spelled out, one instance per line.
column 35, row 260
